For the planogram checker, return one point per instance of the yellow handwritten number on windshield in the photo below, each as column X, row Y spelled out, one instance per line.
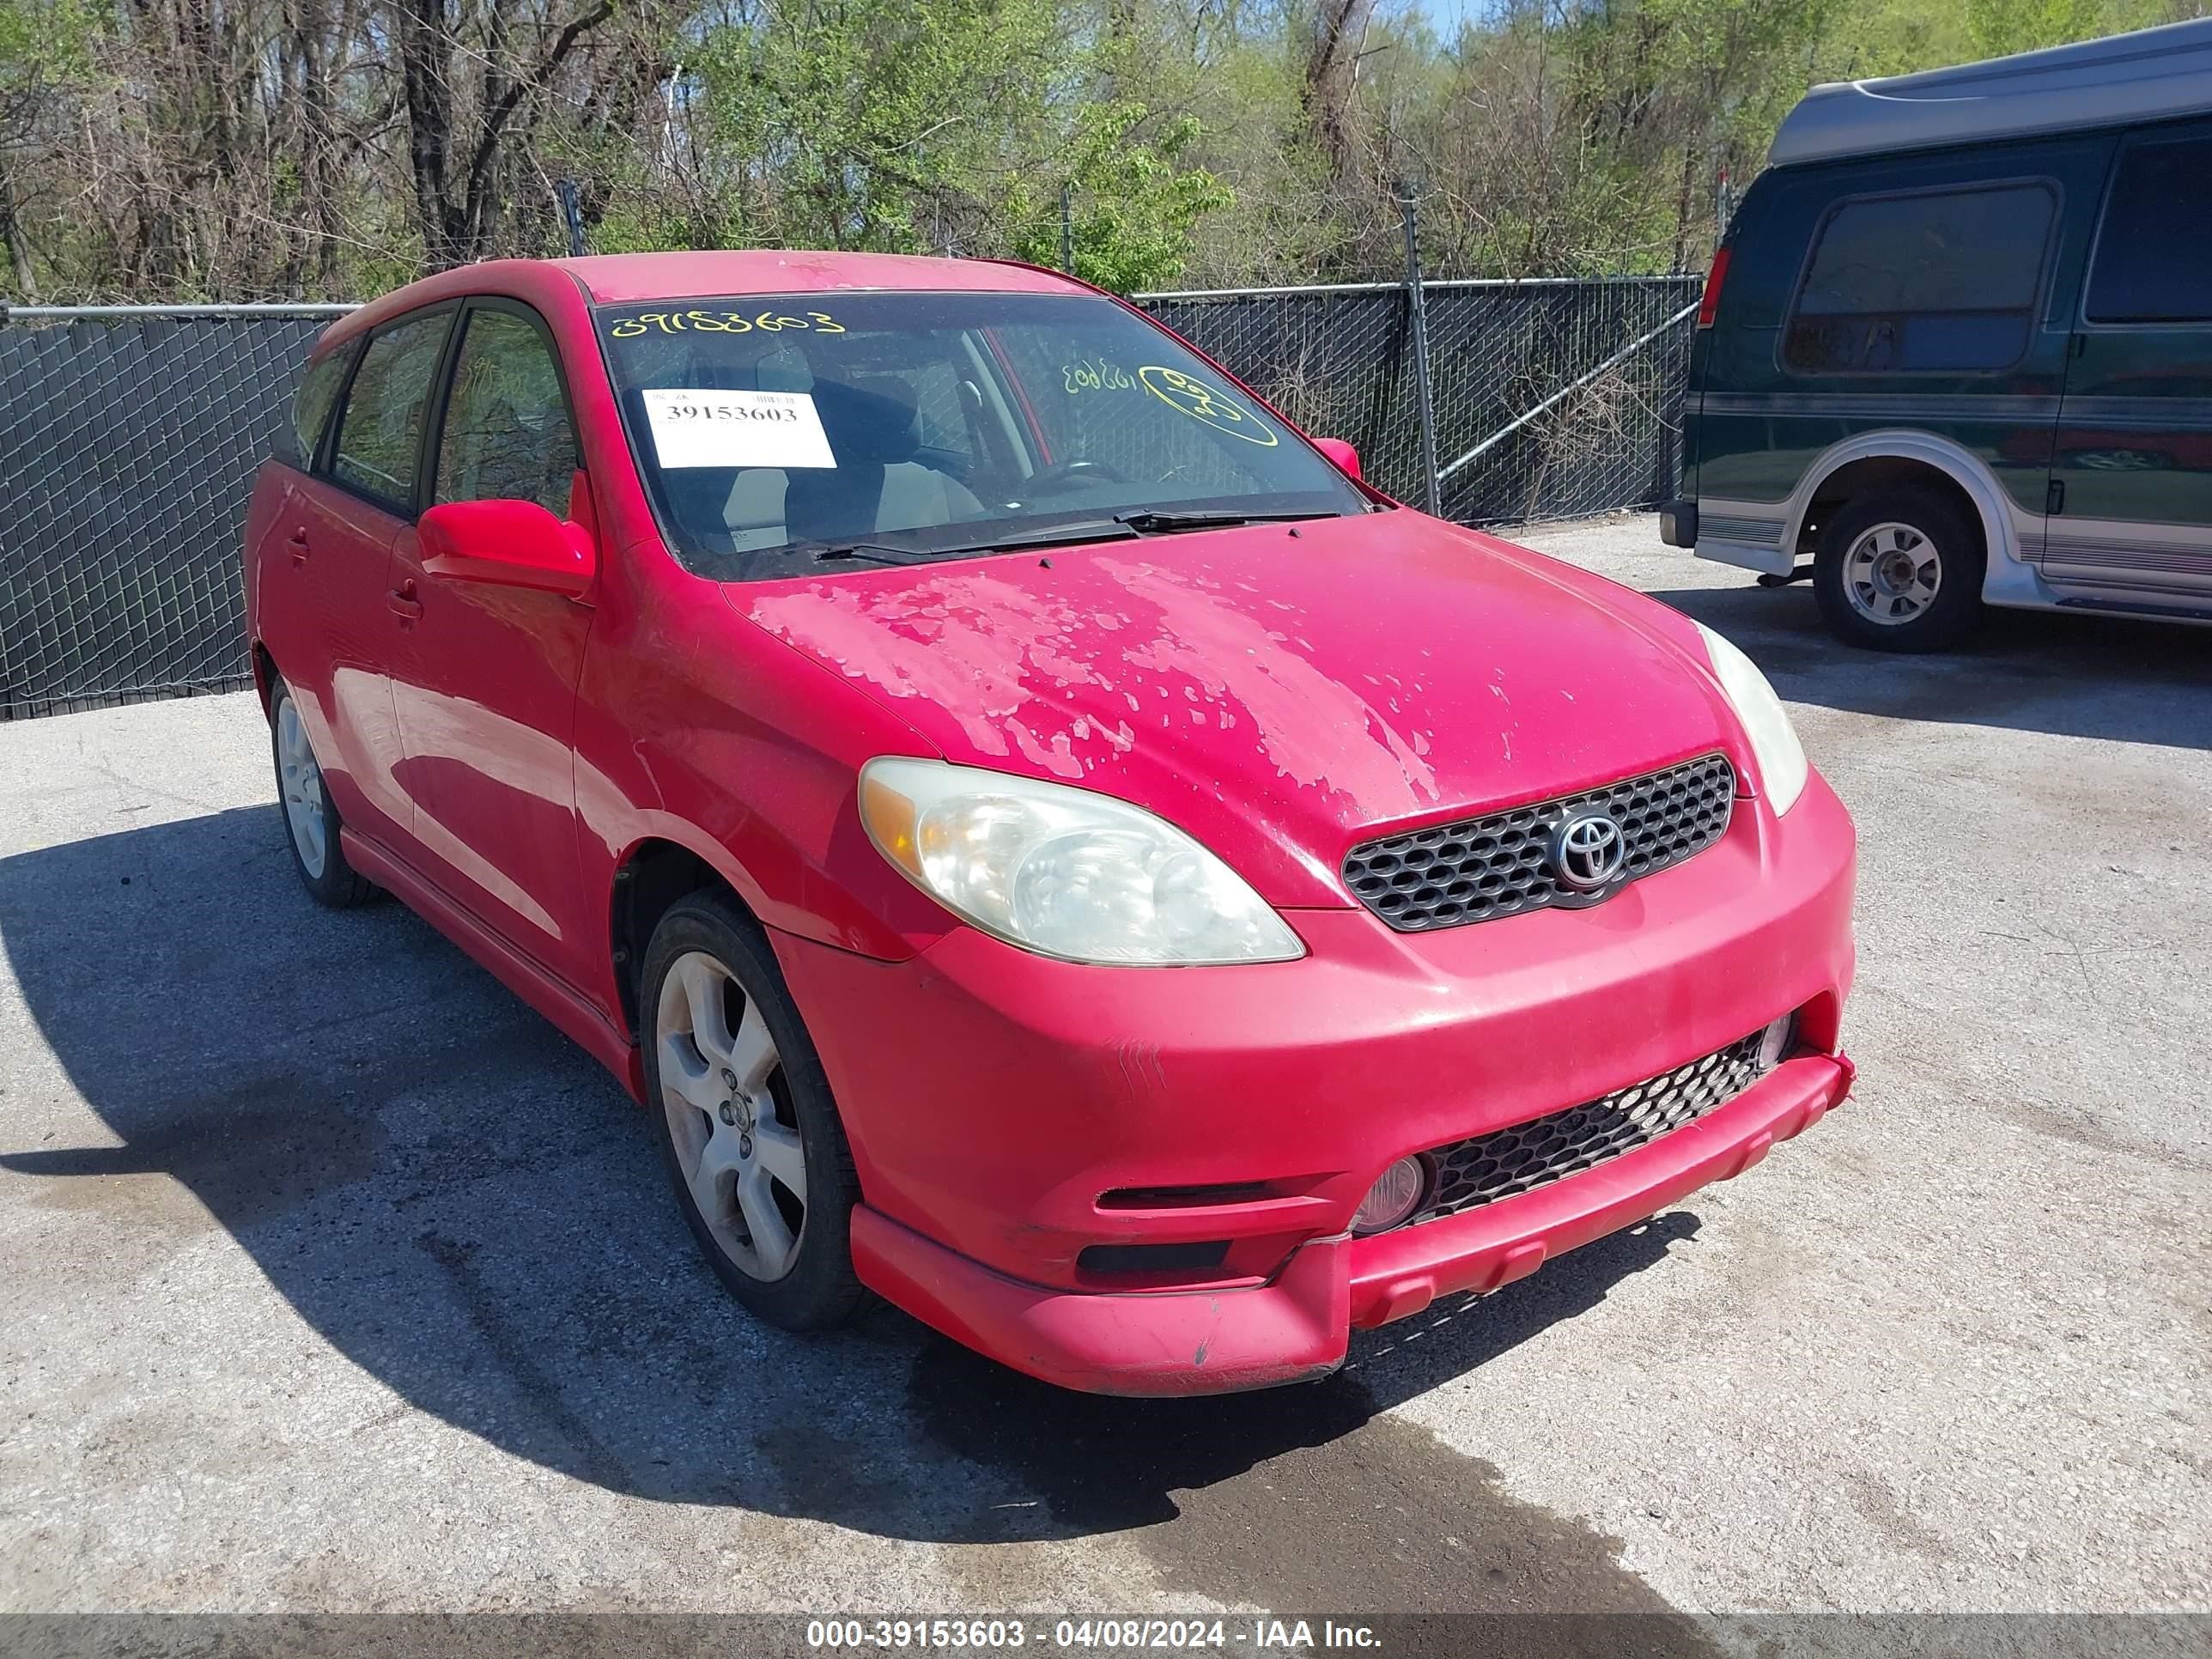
column 721, row 322
column 1191, row 396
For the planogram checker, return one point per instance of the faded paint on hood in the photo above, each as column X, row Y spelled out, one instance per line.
column 1280, row 696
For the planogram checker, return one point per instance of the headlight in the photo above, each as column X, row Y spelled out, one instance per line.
column 1063, row 871
column 1773, row 740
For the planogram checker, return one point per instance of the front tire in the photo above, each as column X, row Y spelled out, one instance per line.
column 310, row 817
column 747, row 1127
column 1900, row 570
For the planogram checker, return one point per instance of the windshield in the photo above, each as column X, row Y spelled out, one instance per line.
column 776, row 431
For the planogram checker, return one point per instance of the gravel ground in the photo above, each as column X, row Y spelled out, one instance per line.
column 335, row 1279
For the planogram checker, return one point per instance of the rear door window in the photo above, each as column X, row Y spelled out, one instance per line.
column 2154, row 261
column 381, row 430
column 1939, row 282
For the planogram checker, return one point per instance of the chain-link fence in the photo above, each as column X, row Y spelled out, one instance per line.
column 129, row 439
column 1542, row 410
column 128, row 444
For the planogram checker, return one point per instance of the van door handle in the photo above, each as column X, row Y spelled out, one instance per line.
column 405, row 605
column 298, row 544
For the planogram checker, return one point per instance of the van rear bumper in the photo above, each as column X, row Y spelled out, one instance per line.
column 1679, row 526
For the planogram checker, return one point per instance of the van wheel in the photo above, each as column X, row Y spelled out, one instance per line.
column 310, row 817
column 1900, row 570
column 747, row 1127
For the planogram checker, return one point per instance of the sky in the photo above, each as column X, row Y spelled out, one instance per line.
column 1445, row 16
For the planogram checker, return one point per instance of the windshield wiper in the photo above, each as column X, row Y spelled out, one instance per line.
column 1056, row 535
column 1122, row 526
column 1053, row 535
column 1161, row 523
column 873, row 553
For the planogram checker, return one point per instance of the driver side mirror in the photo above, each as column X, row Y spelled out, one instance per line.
column 515, row 543
column 1346, row 457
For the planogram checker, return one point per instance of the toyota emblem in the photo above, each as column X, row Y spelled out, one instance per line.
column 1587, row 851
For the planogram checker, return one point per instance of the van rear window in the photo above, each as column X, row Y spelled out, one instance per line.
column 1939, row 282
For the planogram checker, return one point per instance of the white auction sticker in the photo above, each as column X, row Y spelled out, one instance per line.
column 735, row 429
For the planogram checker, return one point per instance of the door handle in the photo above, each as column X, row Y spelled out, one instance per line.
column 298, row 544
column 405, row 605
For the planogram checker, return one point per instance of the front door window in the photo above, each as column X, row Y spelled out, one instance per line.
column 506, row 435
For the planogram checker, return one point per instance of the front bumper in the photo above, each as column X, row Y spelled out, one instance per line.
column 1678, row 523
column 1298, row 1325
column 1012, row 1118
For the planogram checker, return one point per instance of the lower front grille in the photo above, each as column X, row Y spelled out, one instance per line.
column 1153, row 1258
column 1507, row 1162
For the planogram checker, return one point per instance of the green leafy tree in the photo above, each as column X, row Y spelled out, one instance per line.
column 1133, row 202
column 45, row 50
column 941, row 127
column 1997, row 29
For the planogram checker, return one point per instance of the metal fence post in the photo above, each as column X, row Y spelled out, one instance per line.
column 1432, row 487
column 1068, row 228
column 572, row 215
column 1672, row 380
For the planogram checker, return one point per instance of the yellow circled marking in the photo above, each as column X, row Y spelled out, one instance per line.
column 1188, row 395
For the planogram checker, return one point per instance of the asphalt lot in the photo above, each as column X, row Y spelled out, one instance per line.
column 331, row 1277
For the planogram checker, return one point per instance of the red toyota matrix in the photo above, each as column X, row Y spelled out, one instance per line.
column 1045, row 842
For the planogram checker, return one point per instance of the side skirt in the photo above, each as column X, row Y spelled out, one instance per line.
column 577, row 1016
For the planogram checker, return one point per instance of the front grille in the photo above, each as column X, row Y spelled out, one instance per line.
column 1500, row 865
column 1509, row 1162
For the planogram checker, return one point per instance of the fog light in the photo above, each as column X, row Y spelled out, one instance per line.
column 1776, row 1042
column 1392, row 1198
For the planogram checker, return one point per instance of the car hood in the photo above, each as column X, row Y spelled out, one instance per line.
column 1280, row 692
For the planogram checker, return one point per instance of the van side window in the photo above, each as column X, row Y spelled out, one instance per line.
column 2155, row 254
column 1940, row 282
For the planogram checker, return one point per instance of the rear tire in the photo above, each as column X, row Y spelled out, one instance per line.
column 310, row 817
column 1900, row 570
column 746, row 1124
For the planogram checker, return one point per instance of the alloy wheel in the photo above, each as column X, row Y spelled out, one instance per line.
column 302, row 781
column 729, row 1116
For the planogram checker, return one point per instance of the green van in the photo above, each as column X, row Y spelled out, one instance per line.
column 1956, row 350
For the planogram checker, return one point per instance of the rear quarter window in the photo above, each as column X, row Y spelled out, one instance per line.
column 1939, row 281
column 311, row 408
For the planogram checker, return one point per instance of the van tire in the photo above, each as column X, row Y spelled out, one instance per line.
column 1875, row 555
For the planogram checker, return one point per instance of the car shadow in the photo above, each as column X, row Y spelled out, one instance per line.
column 465, row 1205
column 2065, row 673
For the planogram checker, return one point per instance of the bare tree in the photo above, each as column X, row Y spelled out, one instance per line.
column 470, row 87
column 11, row 237
column 1333, row 77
